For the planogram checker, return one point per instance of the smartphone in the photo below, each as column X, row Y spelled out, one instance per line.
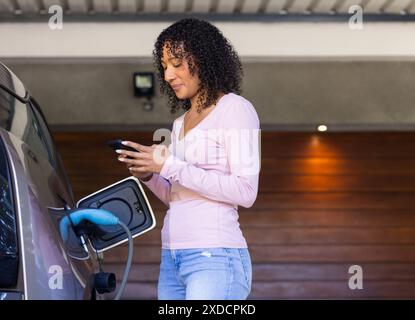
column 117, row 144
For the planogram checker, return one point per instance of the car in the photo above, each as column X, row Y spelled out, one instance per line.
column 36, row 260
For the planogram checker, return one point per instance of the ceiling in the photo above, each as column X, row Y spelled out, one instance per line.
column 227, row 9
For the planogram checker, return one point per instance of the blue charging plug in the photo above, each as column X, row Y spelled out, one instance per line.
column 99, row 217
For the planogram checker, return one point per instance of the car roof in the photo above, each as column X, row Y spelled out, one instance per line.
column 10, row 83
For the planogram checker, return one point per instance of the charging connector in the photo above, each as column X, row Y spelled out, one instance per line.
column 98, row 217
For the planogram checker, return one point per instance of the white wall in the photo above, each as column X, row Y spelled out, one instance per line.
column 251, row 39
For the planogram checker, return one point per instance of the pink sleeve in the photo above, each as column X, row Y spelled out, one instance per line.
column 240, row 187
column 160, row 187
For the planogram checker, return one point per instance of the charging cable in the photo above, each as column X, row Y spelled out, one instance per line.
column 99, row 217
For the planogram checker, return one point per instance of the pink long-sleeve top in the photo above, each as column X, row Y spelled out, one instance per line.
column 208, row 174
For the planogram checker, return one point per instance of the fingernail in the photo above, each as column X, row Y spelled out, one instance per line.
column 124, row 142
column 121, row 159
column 118, row 151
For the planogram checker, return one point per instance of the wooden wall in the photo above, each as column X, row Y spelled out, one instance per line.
column 326, row 202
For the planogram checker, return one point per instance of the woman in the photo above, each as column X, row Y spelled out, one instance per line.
column 210, row 168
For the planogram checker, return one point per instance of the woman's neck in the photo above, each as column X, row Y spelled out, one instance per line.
column 194, row 105
column 193, row 102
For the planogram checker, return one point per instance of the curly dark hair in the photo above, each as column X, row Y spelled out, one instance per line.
column 201, row 44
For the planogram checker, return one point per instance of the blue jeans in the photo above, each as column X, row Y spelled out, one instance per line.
column 205, row 274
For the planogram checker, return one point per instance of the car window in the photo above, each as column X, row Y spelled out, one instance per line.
column 7, row 214
column 26, row 122
column 6, row 109
column 43, row 132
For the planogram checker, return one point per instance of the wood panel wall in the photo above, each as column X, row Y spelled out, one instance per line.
column 326, row 202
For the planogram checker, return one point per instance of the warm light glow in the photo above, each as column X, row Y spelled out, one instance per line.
column 322, row 128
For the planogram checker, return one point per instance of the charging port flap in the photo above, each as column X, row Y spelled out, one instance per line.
column 127, row 200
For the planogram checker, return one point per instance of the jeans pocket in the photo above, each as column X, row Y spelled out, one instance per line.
column 247, row 266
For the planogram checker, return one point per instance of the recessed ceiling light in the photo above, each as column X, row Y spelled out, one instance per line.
column 322, row 128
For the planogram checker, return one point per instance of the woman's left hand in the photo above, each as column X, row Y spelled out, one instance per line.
column 147, row 159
